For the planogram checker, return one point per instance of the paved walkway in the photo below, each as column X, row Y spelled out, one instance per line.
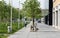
column 44, row 31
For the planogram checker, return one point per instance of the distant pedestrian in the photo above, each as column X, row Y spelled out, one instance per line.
column 35, row 26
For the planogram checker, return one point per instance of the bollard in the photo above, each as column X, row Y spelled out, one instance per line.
column 9, row 29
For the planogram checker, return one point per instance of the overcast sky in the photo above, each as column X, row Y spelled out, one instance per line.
column 44, row 3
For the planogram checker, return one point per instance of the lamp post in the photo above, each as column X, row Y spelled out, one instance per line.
column 19, row 16
column 10, row 1
column 11, row 16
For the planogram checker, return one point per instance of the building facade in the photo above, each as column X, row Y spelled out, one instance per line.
column 48, row 18
column 45, row 12
column 50, row 12
column 56, row 14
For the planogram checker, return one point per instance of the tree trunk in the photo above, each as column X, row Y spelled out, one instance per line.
column 33, row 22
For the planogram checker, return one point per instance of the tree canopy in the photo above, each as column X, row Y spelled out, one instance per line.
column 32, row 8
column 5, row 12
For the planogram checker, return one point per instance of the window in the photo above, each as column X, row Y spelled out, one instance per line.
column 56, row 7
column 53, row 8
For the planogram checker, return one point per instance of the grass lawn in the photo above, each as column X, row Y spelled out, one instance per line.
column 15, row 27
column 3, row 28
column 3, row 36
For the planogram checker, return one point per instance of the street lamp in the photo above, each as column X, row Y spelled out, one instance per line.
column 10, row 1
column 11, row 16
column 19, row 16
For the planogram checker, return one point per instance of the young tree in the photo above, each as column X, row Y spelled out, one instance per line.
column 5, row 10
column 32, row 9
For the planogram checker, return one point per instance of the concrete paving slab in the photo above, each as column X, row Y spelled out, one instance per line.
column 44, row 31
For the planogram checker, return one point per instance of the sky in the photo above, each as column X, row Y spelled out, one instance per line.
column 44, row 4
